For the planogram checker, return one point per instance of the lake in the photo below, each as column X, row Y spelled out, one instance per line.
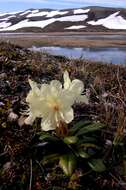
column 114, row 54
column 108, row 54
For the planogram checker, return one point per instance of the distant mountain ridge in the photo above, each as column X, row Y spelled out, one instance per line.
column 49, row 20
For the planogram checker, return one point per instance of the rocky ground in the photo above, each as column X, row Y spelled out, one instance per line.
column 106, row 86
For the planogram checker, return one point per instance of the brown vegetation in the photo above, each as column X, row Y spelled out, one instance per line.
column 20, row 164
column 64, row 39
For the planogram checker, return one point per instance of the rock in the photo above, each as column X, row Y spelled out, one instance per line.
column 3, row 76
column 2, row 104
column 7, row 165
column 12, row 116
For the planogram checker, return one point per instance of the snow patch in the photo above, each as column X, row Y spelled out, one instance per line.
column 7, row 18
column 3, row 14
column 113, row 21
column 9, row 13
column 75, row 27
column 73, row 18
column 55, row 13
column 47, row 13
column 35, row 11
column 4, row 24
column 80, row 11
column 37, row 14
column 26, row 12
column 41, row 24
column 26, row 23
column 13, row 13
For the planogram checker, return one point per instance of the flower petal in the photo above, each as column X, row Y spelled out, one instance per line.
column 34, row 92
column 77, row 86
column 56, row 84
column 34, row 86
column 83, row 99
column 67, row 81
column 67, row 98
column 47, row 124
column 29, row 96
column 67, row 115
column 29, row 120
column 32, row 83
column 44, row 90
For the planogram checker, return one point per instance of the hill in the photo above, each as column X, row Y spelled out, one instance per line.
column 49, row 20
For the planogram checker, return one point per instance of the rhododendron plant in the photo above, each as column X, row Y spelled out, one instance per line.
column 53, row 102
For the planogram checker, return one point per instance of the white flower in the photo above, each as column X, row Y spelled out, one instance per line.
column 76, row 87
column 56, row 106
column 53, row 103
column 33, row 98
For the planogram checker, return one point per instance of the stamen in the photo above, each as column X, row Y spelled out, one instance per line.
column 56, row 108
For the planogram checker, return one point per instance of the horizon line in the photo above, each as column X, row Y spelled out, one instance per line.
column 62, row 9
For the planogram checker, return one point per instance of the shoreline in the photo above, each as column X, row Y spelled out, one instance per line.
column 69, row 39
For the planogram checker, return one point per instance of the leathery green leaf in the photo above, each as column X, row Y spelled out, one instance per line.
column 83, row 154
column 90, row 128
column 77, row 126
column 48, row 137
column 70, row 139
column 50, row 158
column 68, row 163
column 97, row 165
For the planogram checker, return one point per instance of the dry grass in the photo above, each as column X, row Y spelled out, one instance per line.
column 54, row 39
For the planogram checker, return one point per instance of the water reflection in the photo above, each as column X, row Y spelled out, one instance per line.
column 108, row 55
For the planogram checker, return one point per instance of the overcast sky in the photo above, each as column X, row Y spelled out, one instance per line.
column 18, row 5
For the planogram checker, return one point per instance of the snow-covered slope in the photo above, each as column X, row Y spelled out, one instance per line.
column 48, row 20
column 26, row 23
column 113, row 21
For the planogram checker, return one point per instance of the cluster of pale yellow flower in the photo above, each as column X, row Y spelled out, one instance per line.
column 53, row 102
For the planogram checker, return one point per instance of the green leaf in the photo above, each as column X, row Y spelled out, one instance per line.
column 83, row 154
column 50, row 158
column 97, row 165
column 68, row 163
column 48, row 137
column 70, row 140
column 90, row 128
column 89, row 145
column 79, row 125
column 87, row 139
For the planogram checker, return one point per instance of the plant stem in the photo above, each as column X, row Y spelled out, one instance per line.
column 30, row 183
